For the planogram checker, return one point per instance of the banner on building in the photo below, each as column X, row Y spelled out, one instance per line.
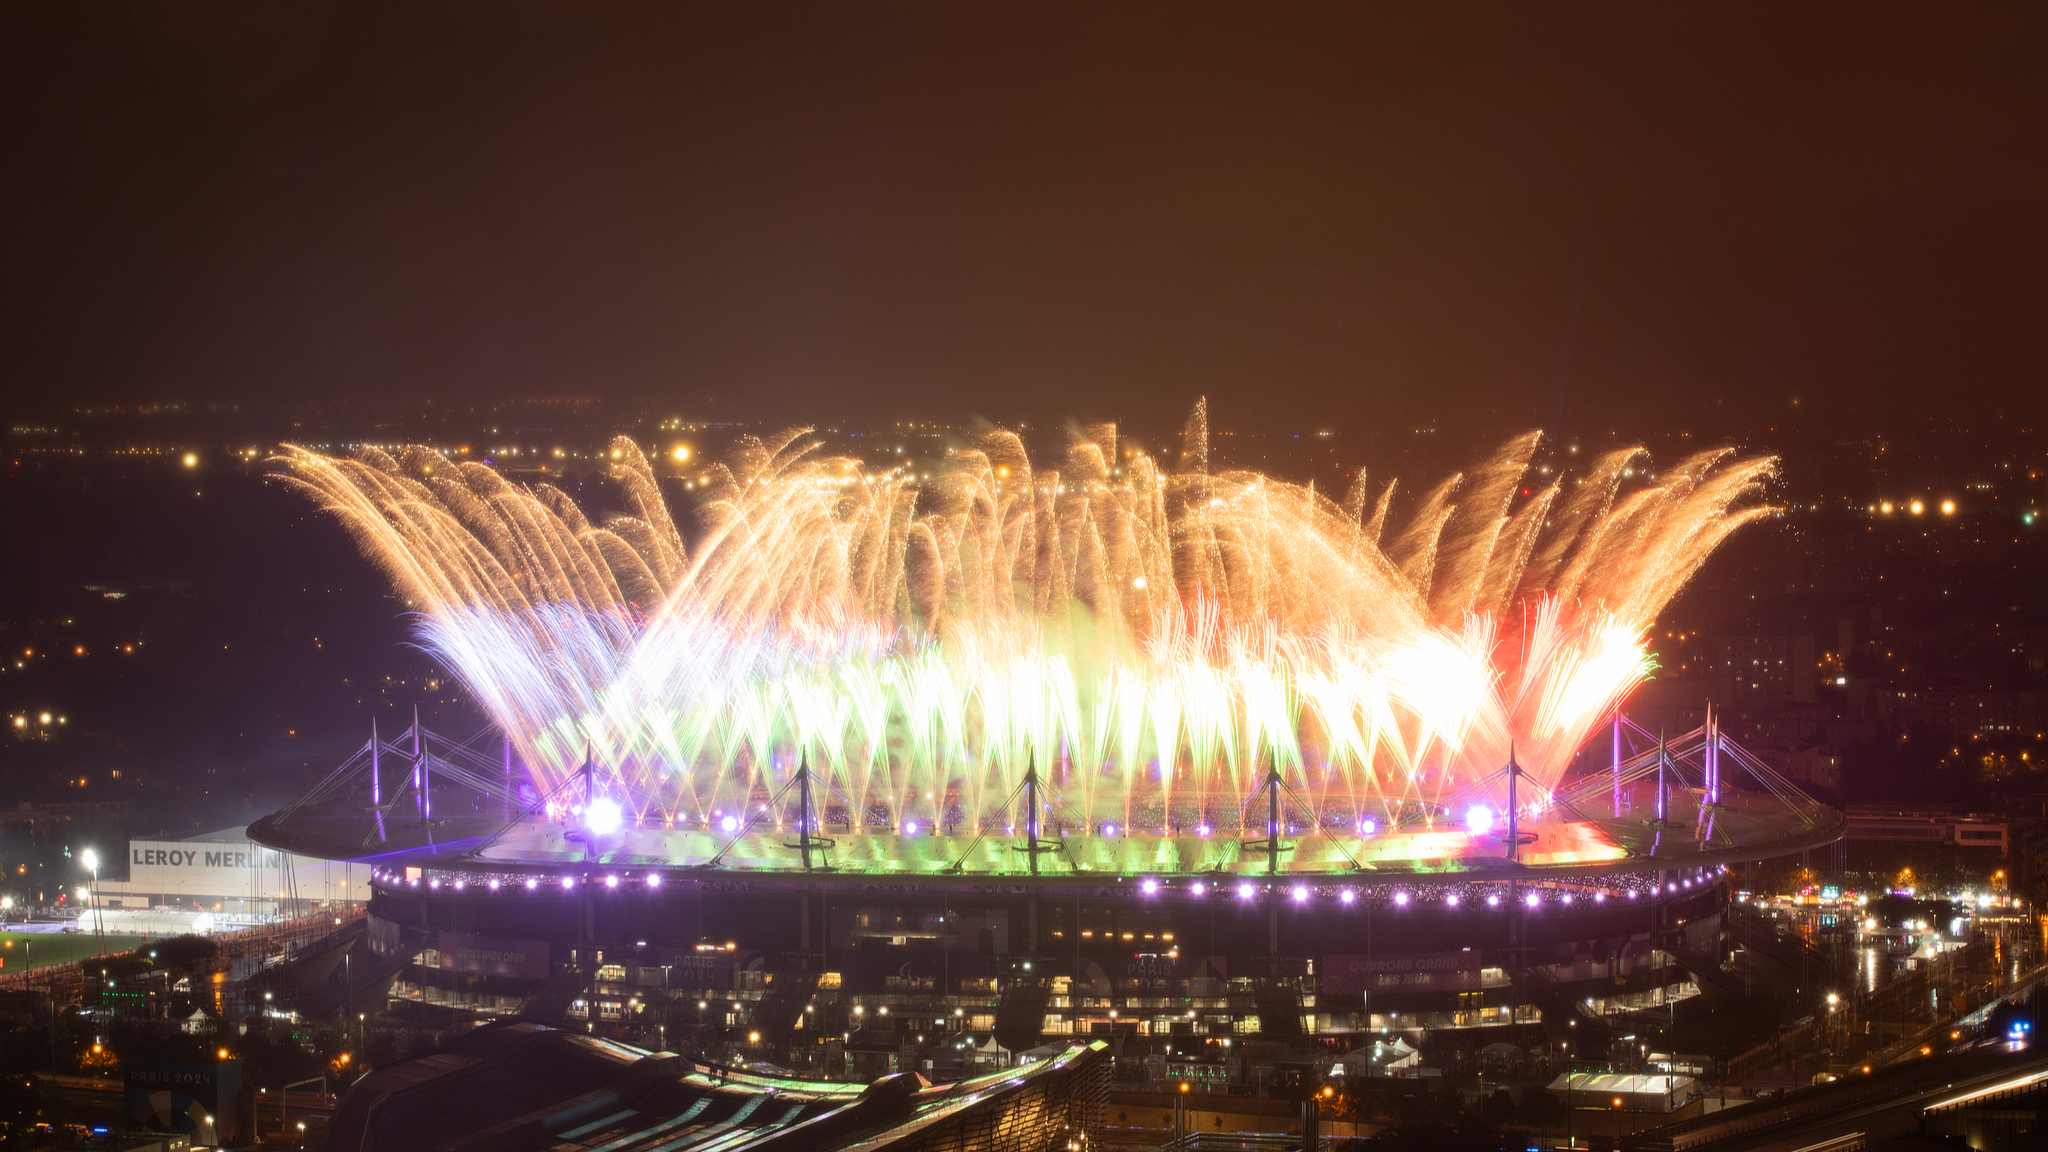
column 691, row 969
column 196, row 1100
column 494, row 955
column 1401, row 972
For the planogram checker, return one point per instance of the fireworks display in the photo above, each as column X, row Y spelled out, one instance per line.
column 1154, row 641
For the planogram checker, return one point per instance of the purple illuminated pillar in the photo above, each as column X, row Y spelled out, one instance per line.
column 1617, row 760
column 1713, row 758
column 419, row 768
column 1660, row 778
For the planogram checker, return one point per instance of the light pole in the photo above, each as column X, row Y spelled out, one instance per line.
column 284, row 1102
column 91, row 860
column 1569, row 1142
column 667, row 1001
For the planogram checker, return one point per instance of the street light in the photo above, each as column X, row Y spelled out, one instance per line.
column 91, row 860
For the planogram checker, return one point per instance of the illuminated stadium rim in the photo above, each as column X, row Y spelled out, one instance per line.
column 1575, row 893
column 456, row 857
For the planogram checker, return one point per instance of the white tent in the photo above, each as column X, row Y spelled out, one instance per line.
column 1380, row 1058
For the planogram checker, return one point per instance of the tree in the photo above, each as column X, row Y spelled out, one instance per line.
column 24, row 1106
column 185, row 951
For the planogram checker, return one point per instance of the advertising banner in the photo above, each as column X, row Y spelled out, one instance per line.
column 691, row 969
column 494, row 955
column 1164, row 965
column 196, row 1100
column 856, row 927
column 1401, row 971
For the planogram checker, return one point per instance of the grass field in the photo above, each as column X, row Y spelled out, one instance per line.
column 22, row 950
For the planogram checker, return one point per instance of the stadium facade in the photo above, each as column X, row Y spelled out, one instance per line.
column 851, row 952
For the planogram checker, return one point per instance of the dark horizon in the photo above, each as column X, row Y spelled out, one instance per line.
column 1568, row 218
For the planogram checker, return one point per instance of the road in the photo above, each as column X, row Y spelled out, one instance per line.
column 1890, row 1114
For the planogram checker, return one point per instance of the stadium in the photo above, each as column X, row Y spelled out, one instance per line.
column 806, row 943
column 876, row 770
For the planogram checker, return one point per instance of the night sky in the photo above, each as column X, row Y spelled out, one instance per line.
column 1337, row 214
